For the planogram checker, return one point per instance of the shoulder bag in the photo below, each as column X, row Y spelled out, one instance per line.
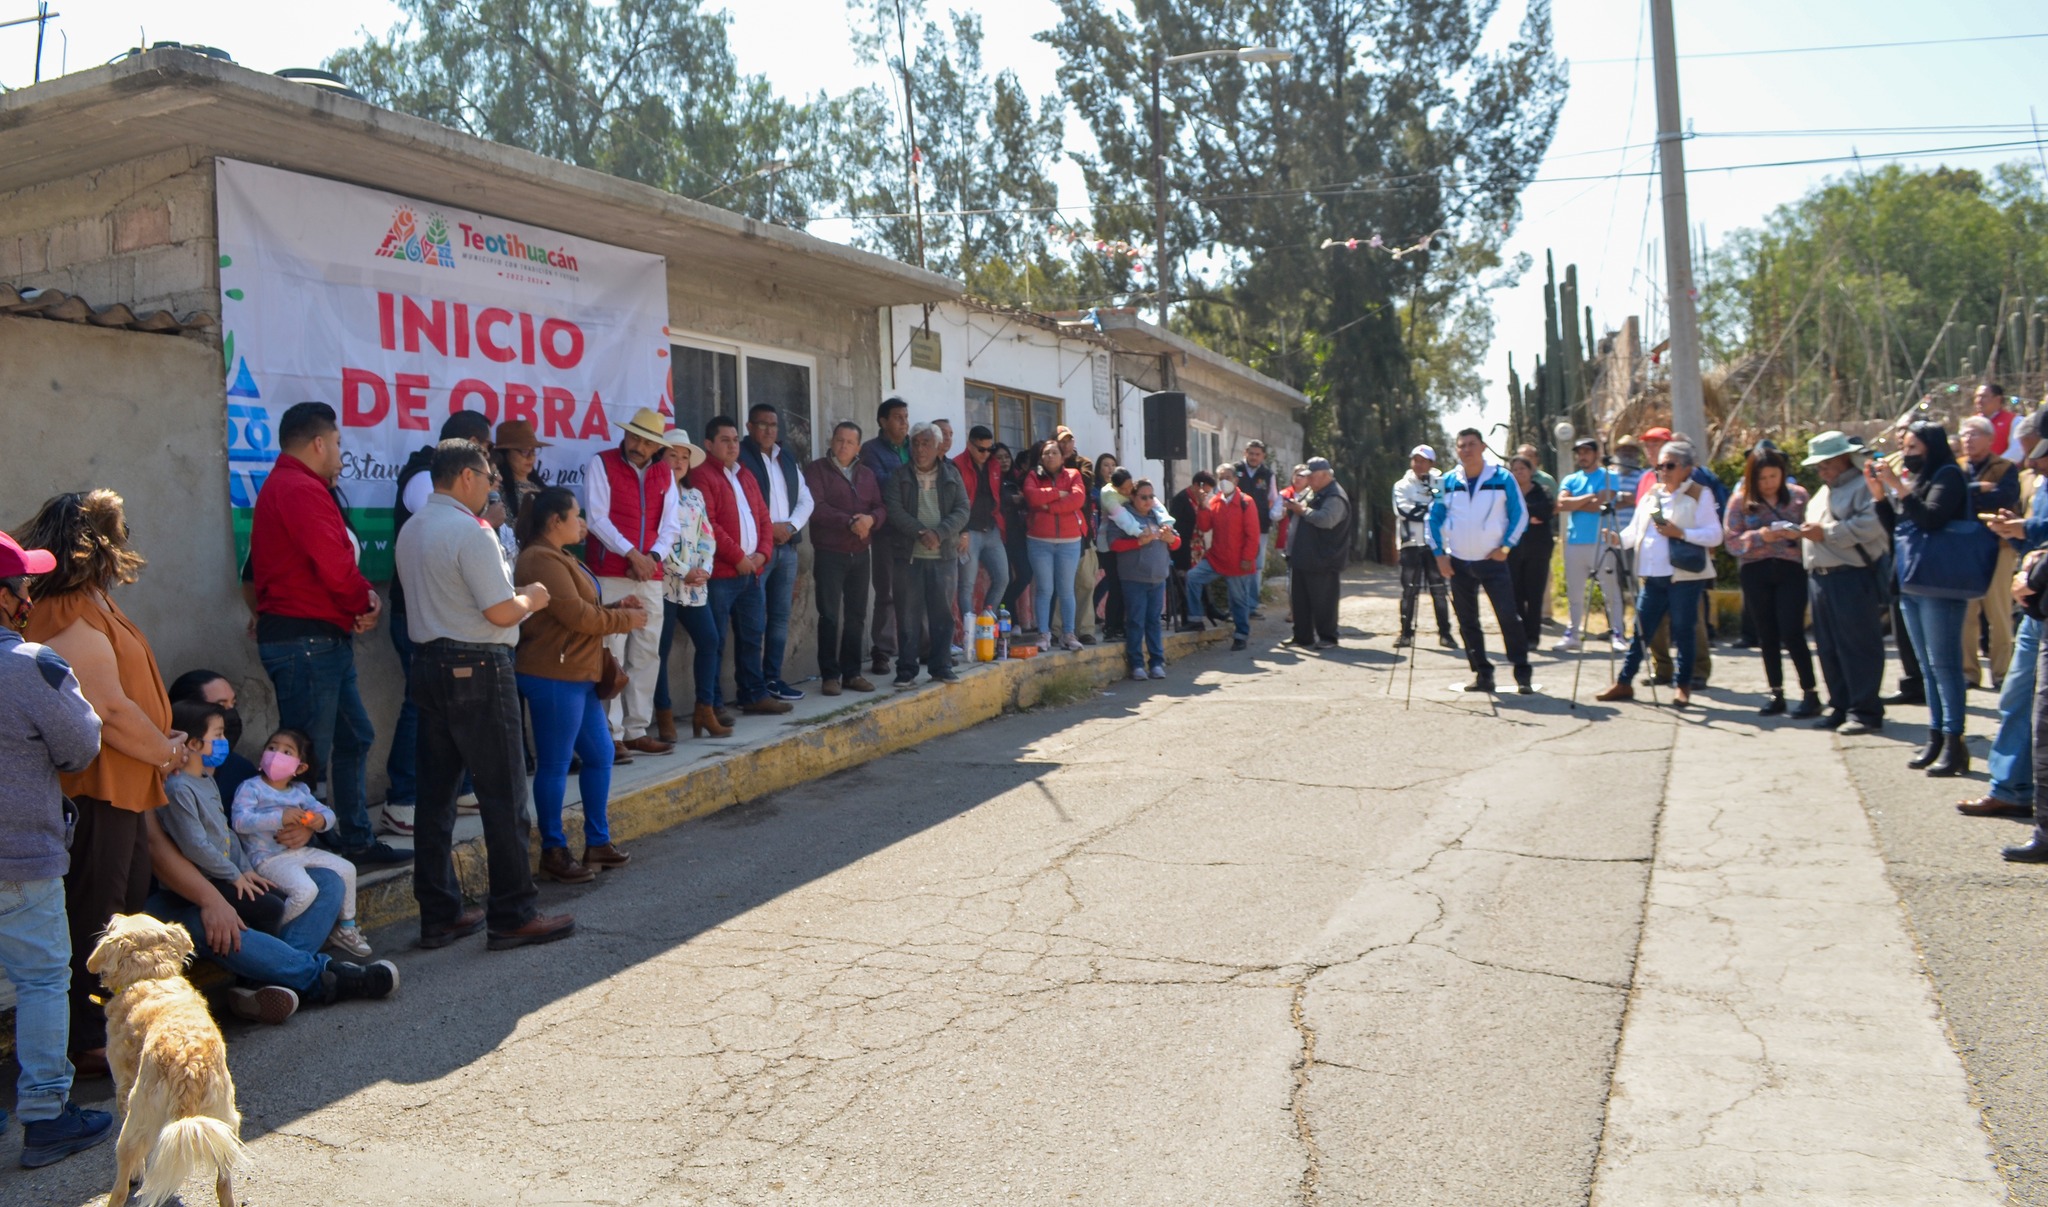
column 1955, row 561
column 611, row 677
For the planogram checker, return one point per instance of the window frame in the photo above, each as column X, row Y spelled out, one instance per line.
column 742, row 352
column 997, row 394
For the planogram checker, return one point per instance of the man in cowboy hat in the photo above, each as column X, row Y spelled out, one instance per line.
column 629, row 501
column 1843, row 548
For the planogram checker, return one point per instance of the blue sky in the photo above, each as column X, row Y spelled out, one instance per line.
column 1606, row 225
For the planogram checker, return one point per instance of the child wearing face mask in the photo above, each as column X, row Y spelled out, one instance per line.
column 194, row 819
column 276, row 798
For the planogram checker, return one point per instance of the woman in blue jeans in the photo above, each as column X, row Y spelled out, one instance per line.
column 1142, row 565
column 1054, row 497
column 560, row 659
column 1675, row 509
column 1938, row 496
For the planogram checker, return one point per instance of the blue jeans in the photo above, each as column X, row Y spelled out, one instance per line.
column 1936, row 628
column 35, row 951
column 662, row 700
column 778, row 591
column 985, row 551
column 741, row 601
column 568, row 716
column 1144, row 630
column 1243, row 593
column 1661, row 597
column 2011, row 764
column 315, row 679
column 399, row 763
column 290, row 958
column 1053, row 566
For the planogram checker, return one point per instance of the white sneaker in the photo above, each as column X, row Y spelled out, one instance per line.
column 348, row 937
column 1620, row 643
column 1568, row 644
column 1159, row 672
column 466, row 803
column 396, row 819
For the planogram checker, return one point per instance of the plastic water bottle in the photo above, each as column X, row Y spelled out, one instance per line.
column 1002, row 633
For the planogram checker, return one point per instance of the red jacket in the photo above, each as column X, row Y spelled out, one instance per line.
column 710, row 481
column 1286, row 521
column 1053, row 509
column 988, row 477
column 1233, row 528
column 300, row 555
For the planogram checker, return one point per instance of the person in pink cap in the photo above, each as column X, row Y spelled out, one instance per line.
column 50, row 729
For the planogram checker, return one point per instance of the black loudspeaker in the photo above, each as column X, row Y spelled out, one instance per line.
column 1166, row 426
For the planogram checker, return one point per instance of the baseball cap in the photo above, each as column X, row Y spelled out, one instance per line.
column 16, row 561
column 1658, row 433
column 1423, row 451
column 1585, row 442
column 1319, row 465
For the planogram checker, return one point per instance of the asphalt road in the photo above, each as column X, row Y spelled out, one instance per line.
column 1256, row 934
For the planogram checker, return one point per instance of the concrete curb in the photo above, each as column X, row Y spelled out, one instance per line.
column 862, row 731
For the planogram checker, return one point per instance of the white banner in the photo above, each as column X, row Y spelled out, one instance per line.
column 397, row 313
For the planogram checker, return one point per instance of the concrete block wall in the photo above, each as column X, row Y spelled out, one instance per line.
column 140, row 232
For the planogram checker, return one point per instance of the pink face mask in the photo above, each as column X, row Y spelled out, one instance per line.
column 279, row 765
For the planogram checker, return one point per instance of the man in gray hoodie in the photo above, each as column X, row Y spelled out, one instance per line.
column 45, row 727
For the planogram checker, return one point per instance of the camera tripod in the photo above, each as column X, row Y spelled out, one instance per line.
column 1610, row 523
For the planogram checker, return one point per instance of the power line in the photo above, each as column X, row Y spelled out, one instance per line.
column 1743, row 54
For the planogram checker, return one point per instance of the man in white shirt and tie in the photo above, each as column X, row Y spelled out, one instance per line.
column 781, row 480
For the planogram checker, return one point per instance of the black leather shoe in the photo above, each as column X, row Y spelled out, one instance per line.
column 1833, row 720
column 1807, row 707
column 1858, row 725
column 1910, row 692
column 1775, row 706
column 2033, row 850
column 1935, row 741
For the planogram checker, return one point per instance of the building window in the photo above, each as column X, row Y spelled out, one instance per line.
column 709, row 379
column 1205, row 445
column 1018, row 419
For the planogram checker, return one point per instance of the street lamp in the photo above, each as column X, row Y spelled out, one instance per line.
column 1244, row 54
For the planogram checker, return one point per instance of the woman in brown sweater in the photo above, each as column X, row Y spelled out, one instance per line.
column 560, row 659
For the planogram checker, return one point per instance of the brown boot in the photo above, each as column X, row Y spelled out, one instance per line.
column 606, row 856
column 766, row 706
column 620, row 754
column 704, row 721
column 1618, row 691
column 829, row 687
column 858, row 683
column 647, row 743
column 665, row 725
column 557, row 864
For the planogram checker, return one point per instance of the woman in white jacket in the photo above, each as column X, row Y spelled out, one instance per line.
column 1674, row 510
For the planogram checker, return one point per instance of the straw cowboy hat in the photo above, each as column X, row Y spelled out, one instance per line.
column 648, row 424
column 676, row 437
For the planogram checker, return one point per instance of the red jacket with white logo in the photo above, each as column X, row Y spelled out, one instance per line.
column 1233, row 528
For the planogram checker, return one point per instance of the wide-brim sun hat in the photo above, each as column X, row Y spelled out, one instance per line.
column 648, row 424
column 1827, row 446
column 676, row 437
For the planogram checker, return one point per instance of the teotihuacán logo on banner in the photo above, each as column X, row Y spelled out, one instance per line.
column 430, row 246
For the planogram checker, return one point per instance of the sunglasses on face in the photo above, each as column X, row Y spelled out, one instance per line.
column 1668, row 465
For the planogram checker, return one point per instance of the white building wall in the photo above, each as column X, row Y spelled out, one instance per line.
column 998, row 350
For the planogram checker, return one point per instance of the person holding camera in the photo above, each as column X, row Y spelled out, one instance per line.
column 1587, row 497
column 1413, row 494
column 1764, row 517
column 1675, row 525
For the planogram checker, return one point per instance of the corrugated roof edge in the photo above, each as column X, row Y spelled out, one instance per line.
column 133, row 77
column 1125, row 327
column 63, row 307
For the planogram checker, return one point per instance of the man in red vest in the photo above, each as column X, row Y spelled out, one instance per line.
column 630, row 503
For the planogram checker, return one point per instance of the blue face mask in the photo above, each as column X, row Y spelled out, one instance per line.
column 217, row 755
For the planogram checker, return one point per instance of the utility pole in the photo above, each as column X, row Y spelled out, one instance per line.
column 1160, row 260
column 1688, row 403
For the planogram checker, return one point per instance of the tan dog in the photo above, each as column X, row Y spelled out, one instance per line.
column 171, row 1083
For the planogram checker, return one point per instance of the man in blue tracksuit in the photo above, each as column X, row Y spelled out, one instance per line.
column 1472, row 525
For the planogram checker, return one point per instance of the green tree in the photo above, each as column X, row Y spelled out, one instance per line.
column 983, row 150
column 1389, row 122
column 1832, row 305
column 643, row 89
